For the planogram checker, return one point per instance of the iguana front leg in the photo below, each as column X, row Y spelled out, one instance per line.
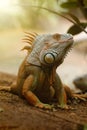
column 30, row 96
column 60, row 93
column 62, row 99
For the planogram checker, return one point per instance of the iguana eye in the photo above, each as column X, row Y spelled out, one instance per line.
column 49, row 58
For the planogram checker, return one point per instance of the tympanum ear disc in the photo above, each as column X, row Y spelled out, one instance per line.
column 49, row 58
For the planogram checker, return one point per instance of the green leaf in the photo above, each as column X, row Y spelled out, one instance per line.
column 69, row 5
column 74, row 29
column 85, row 3
column 74, row 18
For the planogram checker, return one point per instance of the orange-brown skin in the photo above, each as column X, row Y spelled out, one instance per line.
column 33, row 84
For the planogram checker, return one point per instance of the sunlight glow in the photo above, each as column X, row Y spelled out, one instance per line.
column 8, row 6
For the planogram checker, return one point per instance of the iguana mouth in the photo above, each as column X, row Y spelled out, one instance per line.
column 71, row 38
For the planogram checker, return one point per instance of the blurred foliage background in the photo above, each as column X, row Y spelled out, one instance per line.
column 22, row 14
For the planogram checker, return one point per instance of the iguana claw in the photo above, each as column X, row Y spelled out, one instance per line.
column 44, row 106
column 82, row 97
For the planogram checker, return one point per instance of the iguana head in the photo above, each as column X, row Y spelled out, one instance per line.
column 50, row 49
column 56, row 49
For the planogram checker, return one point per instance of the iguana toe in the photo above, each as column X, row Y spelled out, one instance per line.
column 44, row 106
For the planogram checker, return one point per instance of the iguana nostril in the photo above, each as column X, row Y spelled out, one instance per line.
column 49, row 58
column 68, row 35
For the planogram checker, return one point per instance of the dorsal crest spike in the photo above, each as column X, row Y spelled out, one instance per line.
column 30, row 37
column 28, row 48
column 32, row 34
column 27, row 41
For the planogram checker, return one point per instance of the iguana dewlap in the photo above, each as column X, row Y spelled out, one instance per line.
column 37, row 79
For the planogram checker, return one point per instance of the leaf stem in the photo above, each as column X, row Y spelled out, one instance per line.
column 57, row 13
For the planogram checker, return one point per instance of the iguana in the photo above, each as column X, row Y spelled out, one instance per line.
column 37, row 79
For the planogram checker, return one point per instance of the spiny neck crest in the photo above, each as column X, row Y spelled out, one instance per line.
column 29, row 38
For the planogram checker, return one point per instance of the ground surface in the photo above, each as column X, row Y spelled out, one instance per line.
column 17, row 114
